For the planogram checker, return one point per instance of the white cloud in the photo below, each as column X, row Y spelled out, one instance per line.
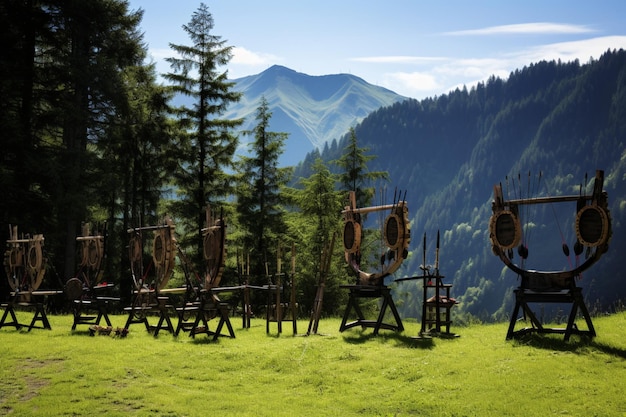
column 569, row 51
column 407, row 82
column 446, row 75
column 542, row 28
column 243, row 56
column 473, row 68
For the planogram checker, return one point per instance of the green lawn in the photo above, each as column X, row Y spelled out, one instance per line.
column 57, row 372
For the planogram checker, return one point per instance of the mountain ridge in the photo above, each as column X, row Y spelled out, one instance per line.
column 314, row 110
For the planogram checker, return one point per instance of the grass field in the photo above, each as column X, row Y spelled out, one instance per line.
column 62, row 373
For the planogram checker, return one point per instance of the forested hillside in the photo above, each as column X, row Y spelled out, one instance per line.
column 539, row 133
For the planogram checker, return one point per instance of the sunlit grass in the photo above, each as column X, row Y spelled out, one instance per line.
column 58, row 372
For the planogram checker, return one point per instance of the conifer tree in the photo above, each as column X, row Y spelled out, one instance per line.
column 135, row 166
column 355, row 175
column 313, row 225
column 63, row 83
column 99, row 40
column 207, row 144
column 259, row 201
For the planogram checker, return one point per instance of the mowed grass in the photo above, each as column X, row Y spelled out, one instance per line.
column 59, row 372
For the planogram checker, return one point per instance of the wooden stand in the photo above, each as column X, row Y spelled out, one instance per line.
column 202, row 311
column 436, row 308
column 281, row 308
column 34, row 301
column 370, row 291
column 39, row 315
column 84, row 300
column 325, row 261
column 9, row 309
column 573, row 296
column 246, row 306
column 98, row 305
column 593, row 231
column 149, row 302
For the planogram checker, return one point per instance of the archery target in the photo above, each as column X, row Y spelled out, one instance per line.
column 351, row 236
column 592, row 226
column 505, row 229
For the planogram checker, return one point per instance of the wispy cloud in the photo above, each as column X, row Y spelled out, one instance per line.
column 243, row 56
column 569, row 51
column 538, row 28
column 448, row 74
column 397, row 59
column 412, row 82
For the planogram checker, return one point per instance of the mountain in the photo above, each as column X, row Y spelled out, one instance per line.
column 541, row 132
column 312, row 109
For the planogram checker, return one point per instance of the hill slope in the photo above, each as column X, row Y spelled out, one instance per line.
column 543, row 128
column 312, row 109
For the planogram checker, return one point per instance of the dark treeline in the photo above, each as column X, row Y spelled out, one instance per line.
column 562, row 120
column 82, row 121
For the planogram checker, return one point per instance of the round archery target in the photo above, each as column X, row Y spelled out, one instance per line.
column 158, row 249
column 211, row 244
column 505, row 229
column 392, row 231
column 94, row 252
column 16, row 257
column 214, row 252
column 13, row 259
column 34, row 256
column 351, row 236
column 592, row 226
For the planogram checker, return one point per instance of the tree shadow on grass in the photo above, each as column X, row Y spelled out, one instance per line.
column 578, row 345
column 400, row 339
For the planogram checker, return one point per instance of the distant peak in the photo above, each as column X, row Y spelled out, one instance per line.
column 279, row 68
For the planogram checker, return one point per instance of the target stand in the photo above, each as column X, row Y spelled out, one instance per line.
column 147, row 296
column 370, row 291
column 194, row 317
column 34, row 301
column 148, row 302
column 593, row 232
column 86, row 292
column 524, row 296
column 25, row 267
column 87, row 307
column 397, row 237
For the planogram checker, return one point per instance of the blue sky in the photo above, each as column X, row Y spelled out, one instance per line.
column 416, row 48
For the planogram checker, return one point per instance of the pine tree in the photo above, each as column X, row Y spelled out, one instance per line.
column 318, row 217
column 64, row 82
column 135, row 165
column 259, row 201
column 24, row 201
column 206, row 148
column 355, row 175
column 99, row 40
